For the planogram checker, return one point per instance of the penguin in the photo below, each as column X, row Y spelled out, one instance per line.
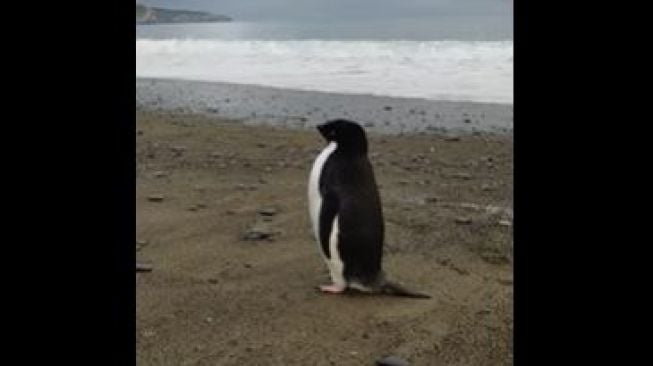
column 346, row 213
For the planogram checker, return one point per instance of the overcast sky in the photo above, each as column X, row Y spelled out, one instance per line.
column 339, row 9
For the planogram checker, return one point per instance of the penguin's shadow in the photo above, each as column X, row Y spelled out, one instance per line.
column 352, row 293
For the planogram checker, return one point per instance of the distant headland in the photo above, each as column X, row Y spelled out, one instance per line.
column 152, row 15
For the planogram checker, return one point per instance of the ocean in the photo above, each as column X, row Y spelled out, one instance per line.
column 448, row 58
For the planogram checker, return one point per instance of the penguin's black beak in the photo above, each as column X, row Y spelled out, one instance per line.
column 326, row 132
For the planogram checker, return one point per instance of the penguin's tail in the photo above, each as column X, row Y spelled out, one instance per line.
column 395, row 289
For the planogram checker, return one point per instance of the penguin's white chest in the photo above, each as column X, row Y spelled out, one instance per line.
column 314, row 196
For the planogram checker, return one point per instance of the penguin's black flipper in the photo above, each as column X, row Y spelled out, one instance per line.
column 394, row 289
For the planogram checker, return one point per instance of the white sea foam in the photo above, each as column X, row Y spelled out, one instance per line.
column 479, row 71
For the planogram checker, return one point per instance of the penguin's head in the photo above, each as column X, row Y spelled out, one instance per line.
column 349, row 135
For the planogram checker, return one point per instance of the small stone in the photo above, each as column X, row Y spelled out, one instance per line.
column 155, row 198
column 387, row 108
column 452, row 138
column 139, row 132
column 212, row 281
column 245, row 187
column 505, row 281
column 259, row 233
column 472, row 206
column 493, row 257
column 505, row 223
column 230, row 212
column 463, row 176
column 148, row 333
column 178, row 149
column 463, row 220
column 431, row 199
column 467, row 120
column 487, row 187
column 144, row 267
column 192, row 208
column 160, row 174
column 260, row 145
column 392, row 361
column 209, row 319
column 460, row 271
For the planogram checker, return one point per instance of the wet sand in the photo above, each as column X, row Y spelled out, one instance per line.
column 215, row 298
column 258, row 105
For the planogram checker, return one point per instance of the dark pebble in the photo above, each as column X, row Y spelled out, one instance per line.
column 463, row 220
column 259, row 233
column 392, row 361
column 464, row 176
column 155, row 198
column 144, row 267
column 267, row 211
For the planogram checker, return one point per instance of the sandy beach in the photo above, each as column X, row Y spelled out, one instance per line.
column 222, row 217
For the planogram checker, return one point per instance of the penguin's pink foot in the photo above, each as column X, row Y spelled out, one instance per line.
column 332, row 289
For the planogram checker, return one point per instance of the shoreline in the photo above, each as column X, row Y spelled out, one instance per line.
column 264, row 105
